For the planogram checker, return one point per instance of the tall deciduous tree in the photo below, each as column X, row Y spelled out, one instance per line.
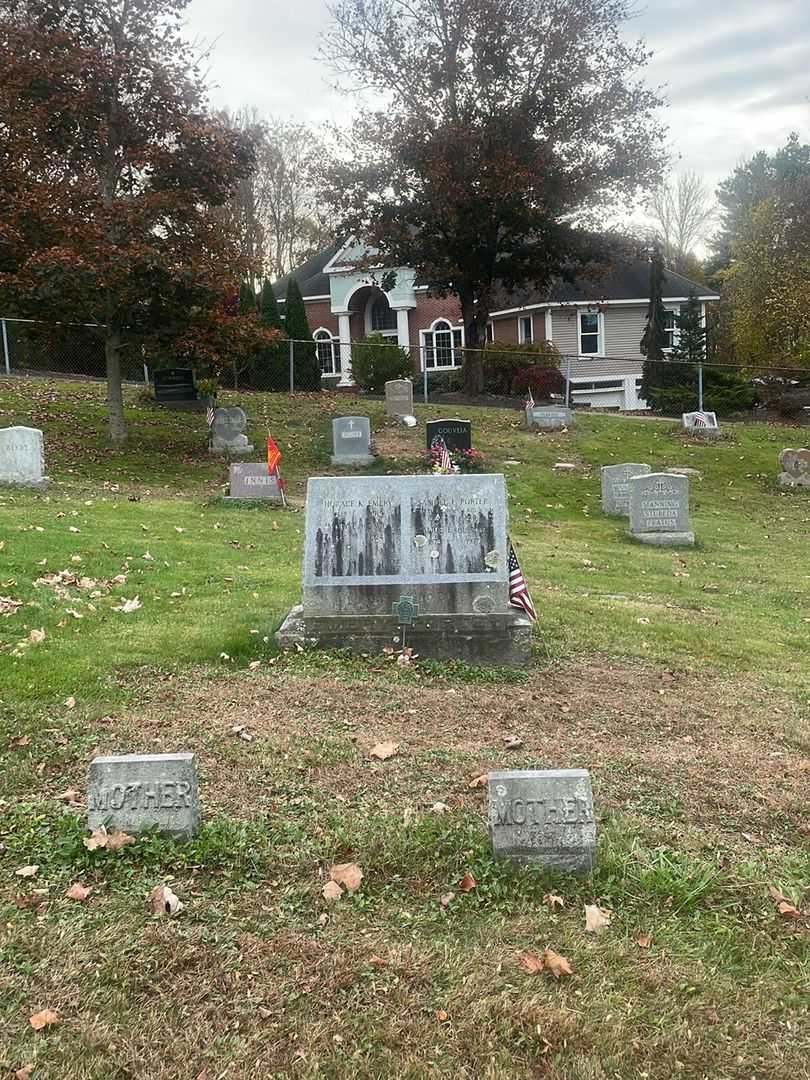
column 502, row 119
column 682, row 210
column 111, row 164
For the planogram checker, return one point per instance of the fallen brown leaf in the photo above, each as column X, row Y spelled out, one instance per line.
column 79, row 892
column 447, row 899
column 43, row 1019
column 384, row 750
column 331, row 891
column 162, row 901
column 556, row 964
column 552, row 901
column 442, row 1016
column 786, row 908
column 512, row 742
column 467, row 883
column 26, row 871
column 532, row 963
column 478, row 781
column 644, row 941
column 24, row 1073
column 596, row 918
column 113, row 841
column 349, row 875
column 71, row 797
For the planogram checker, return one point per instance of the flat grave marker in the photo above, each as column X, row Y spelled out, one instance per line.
column 139, row 792
column 616, row 487
column 22, row 457
column 251, row 480
column 549, row 417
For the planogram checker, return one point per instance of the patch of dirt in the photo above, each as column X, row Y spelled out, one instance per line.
column 705, row 756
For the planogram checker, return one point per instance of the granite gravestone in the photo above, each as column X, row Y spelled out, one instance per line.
column 703, row 424
column 616, row 489
column 399, row 397
column 139, row 792
column 440, row 540
column 659, row 510
column 544, row 817
column 22, row 457
column 549, row 417
column 351, row 441
column 456, row 434
column 228, row 432
column 175, row 385
column 251, row 480
column 795, row 466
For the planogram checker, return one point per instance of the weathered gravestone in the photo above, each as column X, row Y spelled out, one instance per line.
column 251, row 480
column 138, row 792
column 399, row 397
column 176, row 388
column 227, row 432
column 703, row 424
column 22, row 457
column 616, row 487
column 439, row 540
column 351, row 441
column 549, row 417
column 456, row 434
column 544, row 817
column 659, row 510
column 795, row 466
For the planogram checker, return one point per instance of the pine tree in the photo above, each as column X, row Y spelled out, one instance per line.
column 268, row 308
column 307, row 368
column 273, row 367
column 247, row 298
column 691, row 345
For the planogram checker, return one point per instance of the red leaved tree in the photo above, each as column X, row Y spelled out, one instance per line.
column 111, row 167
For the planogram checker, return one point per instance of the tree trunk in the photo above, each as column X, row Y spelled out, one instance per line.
column 115, row 396
column 473, row 355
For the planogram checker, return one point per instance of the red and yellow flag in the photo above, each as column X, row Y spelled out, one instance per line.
column 273, row 455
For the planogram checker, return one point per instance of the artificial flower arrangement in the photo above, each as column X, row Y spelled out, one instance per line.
column 464, row 461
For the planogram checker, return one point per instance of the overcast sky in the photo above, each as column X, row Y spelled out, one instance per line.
column 736, row 72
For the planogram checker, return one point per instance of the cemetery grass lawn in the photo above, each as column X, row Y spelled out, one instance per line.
column 680, row 678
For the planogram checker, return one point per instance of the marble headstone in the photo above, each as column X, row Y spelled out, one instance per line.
column 544, row 817
column 251, row 480
column 795, row 466
column 22, row 457
column 549, row 417
column 351, row 441
column 659, row 510
column 227, row 432
column 616, row 489
column 399, row 397
column 441, row 540
column 457, row 434
column 139, row 792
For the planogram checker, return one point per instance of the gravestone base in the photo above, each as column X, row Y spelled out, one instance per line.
column 706, row 433
column 217, row 446
column 664, row 539
column 549, row 418
column 788, row 480
column 492, row 639
column 31, row 485
column 183, row 406
column 353, row 460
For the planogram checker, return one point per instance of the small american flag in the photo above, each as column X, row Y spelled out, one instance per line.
column 445, row 461
column 700, row 420
column 530, row 400
column 518, row 590
column 209, row 413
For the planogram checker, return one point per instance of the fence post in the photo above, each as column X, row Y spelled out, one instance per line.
column 6, row 356
column 292, row 366
column 700, row 387
column 424, row 374
column 568, row 382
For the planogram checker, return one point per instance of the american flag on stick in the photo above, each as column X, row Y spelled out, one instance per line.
column 518, row 590
column 210, row 412
column 445, row 461
column 530, row 400
column 700, row 420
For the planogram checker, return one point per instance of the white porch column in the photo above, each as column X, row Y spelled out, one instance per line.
column 549, row 331
column 345, row 337
column 403, row 328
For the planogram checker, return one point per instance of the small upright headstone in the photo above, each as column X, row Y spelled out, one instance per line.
column 616, row 489
column 251, row 480
column 543, row 816
column 399, row 397
column 351, row 441
column 228, row 432
column 703, row 424
column 549, row 417
column 139, row 792
column 22, row 457
column 795, row 466
column 456, row 434
column 659, row 510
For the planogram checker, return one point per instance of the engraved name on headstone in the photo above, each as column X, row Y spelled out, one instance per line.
column 543, row 816
column 227, row 432
column 456, row 434
column 175, row 384
column 795, row 466
column 399, row 397
column 251, row 480
column 22, row 457
column 659, row 509
column 351, row 441
column 549, row 417
column 139, row 792
column 616, row 487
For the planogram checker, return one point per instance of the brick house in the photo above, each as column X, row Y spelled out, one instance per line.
column 596, row 324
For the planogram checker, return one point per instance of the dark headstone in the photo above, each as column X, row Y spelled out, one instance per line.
column 175, row 384
column 457, row 434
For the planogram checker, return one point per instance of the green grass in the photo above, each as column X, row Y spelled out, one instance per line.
column 700, row 776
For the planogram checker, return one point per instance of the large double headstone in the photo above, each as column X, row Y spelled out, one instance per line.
column 351, row 441
column 455, row 434
column 795, row 468
column 228, row 432
column 140, row 792
column 616, row 487
column 440, row 541
column 22, row 457
column 549, row 417
column 659, row 510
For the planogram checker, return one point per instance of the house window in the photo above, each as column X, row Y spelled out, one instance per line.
column 671, row 328
column 328, row 350
column 441, row 345
column 382, row 319
column 490, row 331
column 525, row 330
column 589, row 333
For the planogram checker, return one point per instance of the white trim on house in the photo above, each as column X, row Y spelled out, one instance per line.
column 388, row 332
column 283, row 300
column 334, row 349
column 596, row 303
column 600, row 335
column 456, row 334
column 675, row 330
column 549, row 325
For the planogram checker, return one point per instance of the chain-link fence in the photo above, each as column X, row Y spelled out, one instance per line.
column 510, row 374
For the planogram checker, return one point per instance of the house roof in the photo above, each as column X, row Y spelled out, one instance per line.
column 625, row 280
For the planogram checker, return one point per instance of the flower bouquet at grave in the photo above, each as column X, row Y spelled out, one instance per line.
column 461, row 461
